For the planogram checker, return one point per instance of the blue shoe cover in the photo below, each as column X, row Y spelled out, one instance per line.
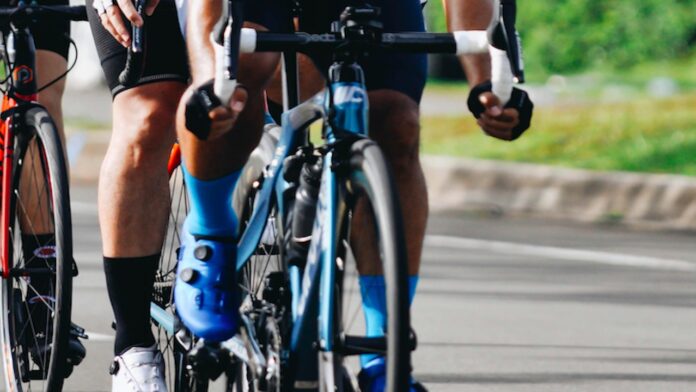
column 204, row 292
column 373, row 377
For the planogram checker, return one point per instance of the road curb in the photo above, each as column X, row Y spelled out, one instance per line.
column 456, row 184
column 654, row 200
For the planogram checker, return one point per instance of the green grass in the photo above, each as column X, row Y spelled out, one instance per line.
column 680, row 70
column 642, row 135
column 86, row 124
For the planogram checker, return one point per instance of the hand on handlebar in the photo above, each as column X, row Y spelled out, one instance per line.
column 496, row 120
column 502, row 122
column 207, row 117
column 223, row 118
column 111, row 14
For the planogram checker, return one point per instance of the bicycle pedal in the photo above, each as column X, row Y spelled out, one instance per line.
column 75, row 270
column 412, row 339
column 36, row 374
column 77, row 331
column 207, row 361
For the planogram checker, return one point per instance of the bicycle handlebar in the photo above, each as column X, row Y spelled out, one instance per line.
column 458, row 42
column 500, row 41
column 356, row 33
column 26, row 14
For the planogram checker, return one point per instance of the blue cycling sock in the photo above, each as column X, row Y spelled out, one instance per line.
column 267, row 118
column 412, row 284
column 374, row 302
column 211, row 212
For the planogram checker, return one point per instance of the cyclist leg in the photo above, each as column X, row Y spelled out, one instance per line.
column 212, row 168
column 52, row 44
column 49, row 66
column 133, row 185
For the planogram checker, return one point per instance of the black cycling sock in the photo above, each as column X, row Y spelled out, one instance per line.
column 129, row 282
column 39, row 251
column 275, row 110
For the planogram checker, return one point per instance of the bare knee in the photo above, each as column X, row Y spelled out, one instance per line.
column 144, row 125
column 394, row 125
column 256, row 70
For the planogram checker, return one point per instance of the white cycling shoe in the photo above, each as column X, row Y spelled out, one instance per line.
column 139, row 369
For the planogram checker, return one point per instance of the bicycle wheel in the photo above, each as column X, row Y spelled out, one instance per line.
column 369, row 184
column 36, row 298
column 174, row 346
column 263, row 280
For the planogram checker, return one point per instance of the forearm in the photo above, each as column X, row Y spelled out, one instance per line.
column 471, row 15
column 202, row 17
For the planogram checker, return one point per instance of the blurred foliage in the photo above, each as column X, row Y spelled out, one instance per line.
column 644, row 134
column 564, row 36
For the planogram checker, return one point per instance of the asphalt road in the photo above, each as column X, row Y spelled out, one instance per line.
column 505, row 305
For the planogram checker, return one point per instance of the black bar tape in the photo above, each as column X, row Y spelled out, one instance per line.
column 202, row 101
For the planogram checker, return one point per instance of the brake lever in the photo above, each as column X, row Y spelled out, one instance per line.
column 503, row 35
column 508, row 11
column 135, row 59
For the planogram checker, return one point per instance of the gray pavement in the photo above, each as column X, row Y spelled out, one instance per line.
column 519, row 317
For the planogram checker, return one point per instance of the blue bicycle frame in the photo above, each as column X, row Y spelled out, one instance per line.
column 313, row 288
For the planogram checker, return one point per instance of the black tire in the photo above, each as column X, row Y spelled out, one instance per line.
column 174, row 348
column 44, row 186
column 269, row 258
column 253, row 170
column 369, row 180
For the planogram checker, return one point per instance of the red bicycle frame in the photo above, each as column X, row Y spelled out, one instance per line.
column 22, row 93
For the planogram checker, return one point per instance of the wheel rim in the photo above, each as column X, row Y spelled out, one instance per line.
column 29, row 319
column 172, row 348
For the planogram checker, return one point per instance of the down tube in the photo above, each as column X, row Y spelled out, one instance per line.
column 329, row 249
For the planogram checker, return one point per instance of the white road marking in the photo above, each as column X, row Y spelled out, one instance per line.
column 589, row 256
column 514, row 248
column 99, row 337
column 74, row 145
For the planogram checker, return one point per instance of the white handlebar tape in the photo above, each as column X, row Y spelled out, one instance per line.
column 471, row 42
column 247, row 41
column 501, row 75
column 223, row 87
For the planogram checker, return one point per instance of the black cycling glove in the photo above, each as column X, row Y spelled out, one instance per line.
column 201, row 102
column 518, row 100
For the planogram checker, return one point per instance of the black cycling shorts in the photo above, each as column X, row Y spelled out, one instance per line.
column 405, row 73
column 51, row 35
column 166, row 51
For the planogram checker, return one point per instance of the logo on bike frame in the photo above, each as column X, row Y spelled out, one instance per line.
column 45, row 252
column 348, row 94
column 23, row 74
